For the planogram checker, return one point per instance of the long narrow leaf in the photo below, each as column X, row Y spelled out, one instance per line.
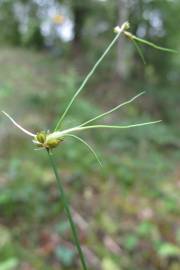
column 19, row 126
column 112, row 110
column 118, row 127
column 89, row 147
column 154, row 45
column 139, row 51
column 60, row 134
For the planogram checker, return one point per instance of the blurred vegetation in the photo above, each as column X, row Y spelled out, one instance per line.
column 127, row 213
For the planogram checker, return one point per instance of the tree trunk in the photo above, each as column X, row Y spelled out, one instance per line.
column 122, row 61
column 79, row 12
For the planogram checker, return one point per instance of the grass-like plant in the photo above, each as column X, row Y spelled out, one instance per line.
column 50, row 140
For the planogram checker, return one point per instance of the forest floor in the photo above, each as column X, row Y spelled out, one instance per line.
column 127, row 213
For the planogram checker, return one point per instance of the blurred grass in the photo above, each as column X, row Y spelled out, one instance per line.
column 128, row 211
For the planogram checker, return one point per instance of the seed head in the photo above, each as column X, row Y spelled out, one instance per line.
column 41, row 137
column 43, row 141
column 53, row 143
column 125, row 26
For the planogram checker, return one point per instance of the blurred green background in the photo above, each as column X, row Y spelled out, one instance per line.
column 127, row 213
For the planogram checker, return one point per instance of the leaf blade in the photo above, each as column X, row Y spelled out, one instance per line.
column 85, row 143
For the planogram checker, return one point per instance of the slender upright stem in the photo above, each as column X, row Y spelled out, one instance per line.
column 67, row 211
column 123, row 27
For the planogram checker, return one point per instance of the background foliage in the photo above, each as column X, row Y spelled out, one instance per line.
column 127, row 214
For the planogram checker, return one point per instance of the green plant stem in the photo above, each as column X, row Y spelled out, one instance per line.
column 67, row 211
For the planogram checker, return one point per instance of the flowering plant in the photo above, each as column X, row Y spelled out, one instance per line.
column 50, row 140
